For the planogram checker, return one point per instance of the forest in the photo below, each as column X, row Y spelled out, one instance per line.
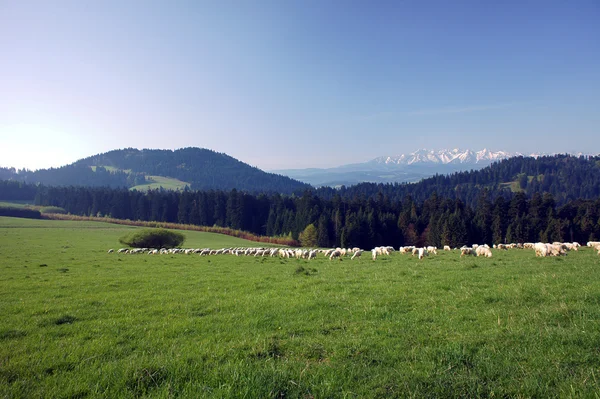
column 344, row 222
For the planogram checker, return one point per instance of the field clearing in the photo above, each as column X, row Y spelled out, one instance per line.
column 167, row 183
column 78, row 322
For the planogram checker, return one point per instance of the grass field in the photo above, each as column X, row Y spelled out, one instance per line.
column 16, row 204
column 78, row 322
column 158, row 181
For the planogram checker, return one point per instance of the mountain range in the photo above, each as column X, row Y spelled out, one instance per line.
column 203, row 169
column 409, row 167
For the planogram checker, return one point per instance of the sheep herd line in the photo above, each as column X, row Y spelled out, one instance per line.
column 541, row 249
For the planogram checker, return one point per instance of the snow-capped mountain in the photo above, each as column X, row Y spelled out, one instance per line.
column 442, row 157
column 403, row 168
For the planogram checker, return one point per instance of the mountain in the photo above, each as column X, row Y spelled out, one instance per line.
column 455, row 156
column 402, row 168
column 197, row 168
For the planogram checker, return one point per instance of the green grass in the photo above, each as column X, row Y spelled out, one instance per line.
column 158, row 181
column 78, row 322
column 16, row 204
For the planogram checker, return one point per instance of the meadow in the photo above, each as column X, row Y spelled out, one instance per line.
column 78, row 322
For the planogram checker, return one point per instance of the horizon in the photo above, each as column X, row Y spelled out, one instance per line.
column 428, row 150
column 296, row 85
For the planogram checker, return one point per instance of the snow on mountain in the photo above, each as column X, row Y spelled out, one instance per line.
column 454, row 156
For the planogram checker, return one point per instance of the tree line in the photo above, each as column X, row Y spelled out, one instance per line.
column 339, row 221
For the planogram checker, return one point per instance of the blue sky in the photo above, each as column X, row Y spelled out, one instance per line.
column 292, row 84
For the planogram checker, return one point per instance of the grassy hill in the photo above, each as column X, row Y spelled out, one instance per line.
column 79, row 322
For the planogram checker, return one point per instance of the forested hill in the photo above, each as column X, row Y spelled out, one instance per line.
column 198, row 168
column 566, row 177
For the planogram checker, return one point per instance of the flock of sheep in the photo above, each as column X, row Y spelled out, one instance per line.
column 541, row 249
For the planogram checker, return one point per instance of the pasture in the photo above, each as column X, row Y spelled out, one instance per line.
column 78, row 322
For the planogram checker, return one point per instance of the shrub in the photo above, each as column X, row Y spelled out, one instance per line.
column 153, row 238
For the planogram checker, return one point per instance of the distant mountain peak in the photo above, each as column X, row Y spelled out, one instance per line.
column 446, row 156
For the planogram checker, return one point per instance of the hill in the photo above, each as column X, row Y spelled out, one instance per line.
column 197, row 168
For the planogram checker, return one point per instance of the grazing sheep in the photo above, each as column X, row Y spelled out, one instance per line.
column 336, row 254
column 357, row 254
column 422, row 253
column 374, row 254
column 466, row 251
column 432, row 250
column 447, row 248
column 405, row 250
column 483, row 251
column 110, row 251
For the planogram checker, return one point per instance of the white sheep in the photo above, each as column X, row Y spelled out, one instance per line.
column 483, row 251
column 466, row 251
column 422, row 253
column 357, row 254
column 336, row 254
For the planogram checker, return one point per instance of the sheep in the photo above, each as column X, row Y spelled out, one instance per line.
column 432, row 250
column 541, row 250
column 336, row 254
column 483, row 251
column 357, row 254
column 422, row 253
column 447, row 248
column 405, row 250
column 544, row 250
column 374, row 254
column 312, row 254
column 110, row 251
column 466, row 251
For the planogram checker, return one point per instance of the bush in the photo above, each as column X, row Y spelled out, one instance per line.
column 153, row 238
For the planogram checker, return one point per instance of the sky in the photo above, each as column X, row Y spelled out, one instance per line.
column 284, row 84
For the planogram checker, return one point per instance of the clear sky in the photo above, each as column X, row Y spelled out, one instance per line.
column 293, row 84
